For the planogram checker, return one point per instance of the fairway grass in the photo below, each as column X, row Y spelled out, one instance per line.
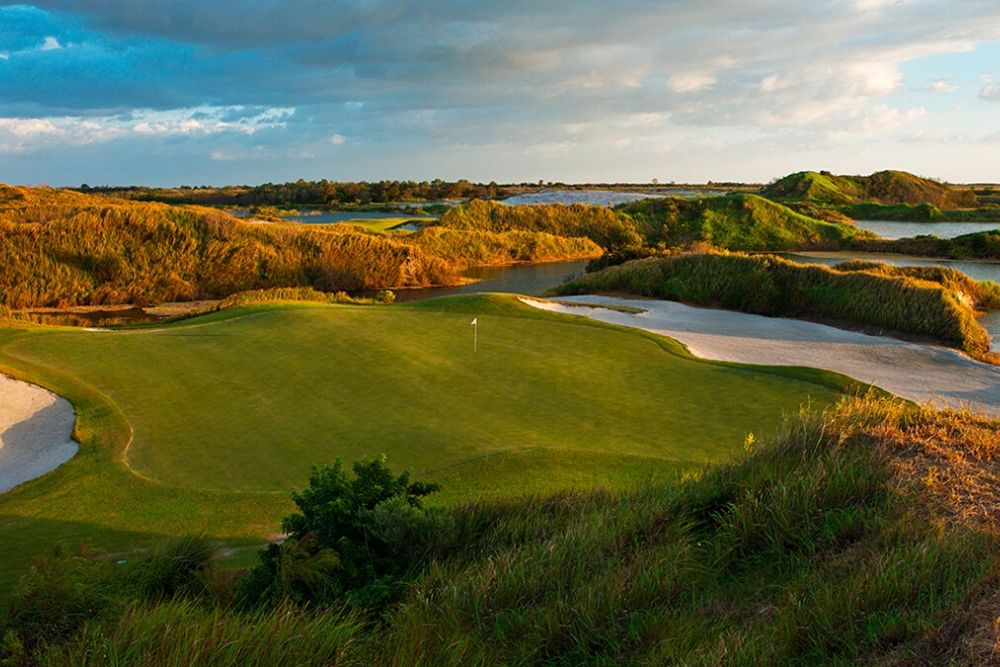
column 207, row 424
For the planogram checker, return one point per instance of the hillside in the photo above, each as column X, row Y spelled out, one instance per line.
column 66, row 248
column 837, row 540
column 883, row 187
column 734, row 222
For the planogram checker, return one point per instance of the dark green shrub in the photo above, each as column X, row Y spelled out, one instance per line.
column 356, row 536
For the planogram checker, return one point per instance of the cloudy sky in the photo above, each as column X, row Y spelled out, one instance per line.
column 248, row 91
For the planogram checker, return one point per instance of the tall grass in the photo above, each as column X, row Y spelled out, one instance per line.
column 816, row 546
column 185, row 632
column 600, row 224
column 61, row 248
column 769, row 285
column 802, row 553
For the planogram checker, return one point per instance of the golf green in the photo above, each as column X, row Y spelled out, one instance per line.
column 206, row 425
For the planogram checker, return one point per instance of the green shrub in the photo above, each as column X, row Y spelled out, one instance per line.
column 355, row 536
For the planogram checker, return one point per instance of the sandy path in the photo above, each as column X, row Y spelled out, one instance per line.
column 35, row 429
column 923, row 373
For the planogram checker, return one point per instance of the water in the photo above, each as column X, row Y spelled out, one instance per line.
column 327, row 217
column 977, row 270
column 944, row 230
column 530, row 279
column 603, row 197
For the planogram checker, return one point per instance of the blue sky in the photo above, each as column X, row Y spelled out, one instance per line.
column 248, row 91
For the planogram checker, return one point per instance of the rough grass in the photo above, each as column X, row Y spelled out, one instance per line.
column 818, row 545
column 229, row 410
column 899, row 301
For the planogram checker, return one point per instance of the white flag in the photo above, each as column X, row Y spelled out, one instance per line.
column 474, row 321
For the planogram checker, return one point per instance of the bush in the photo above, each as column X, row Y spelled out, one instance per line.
column 357, row 536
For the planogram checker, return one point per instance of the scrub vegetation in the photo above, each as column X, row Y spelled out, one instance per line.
column 929, row 302
column 827, row 543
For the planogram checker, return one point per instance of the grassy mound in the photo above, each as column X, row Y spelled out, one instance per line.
column 204, row 425
column 64, row 248
column 883, row 187
column 905, row 302
column 734, row 222
column 825, row 544
column 598, row 223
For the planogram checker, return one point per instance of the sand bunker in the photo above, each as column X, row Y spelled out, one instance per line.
column 922, row 373
column 35, row 430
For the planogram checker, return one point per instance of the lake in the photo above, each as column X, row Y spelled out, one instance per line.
column 530, row 279
column 945, row 230
column 977, row 270
column 604, row 197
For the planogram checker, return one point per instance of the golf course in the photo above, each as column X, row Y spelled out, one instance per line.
column 205, row 425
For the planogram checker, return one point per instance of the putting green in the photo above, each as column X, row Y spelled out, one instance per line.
column 227, row 412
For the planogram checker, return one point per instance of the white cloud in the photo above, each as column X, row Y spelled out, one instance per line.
column 990, row 91
column 4, row 55
column 942, row 86
column 691, row 82
column 23, row 135
column 337, row 139
column 50, row 44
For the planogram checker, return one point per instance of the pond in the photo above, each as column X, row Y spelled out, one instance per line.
column 530, row 279
column 977, row 270
column 945, row 230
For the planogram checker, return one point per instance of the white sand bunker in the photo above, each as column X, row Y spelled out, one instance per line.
column 35, row 432
column 922, row 373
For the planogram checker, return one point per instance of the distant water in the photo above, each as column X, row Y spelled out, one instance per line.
column 530, row 279
column 977, row 270
column 327, row 217
column 603, row 197
column 944, row 230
